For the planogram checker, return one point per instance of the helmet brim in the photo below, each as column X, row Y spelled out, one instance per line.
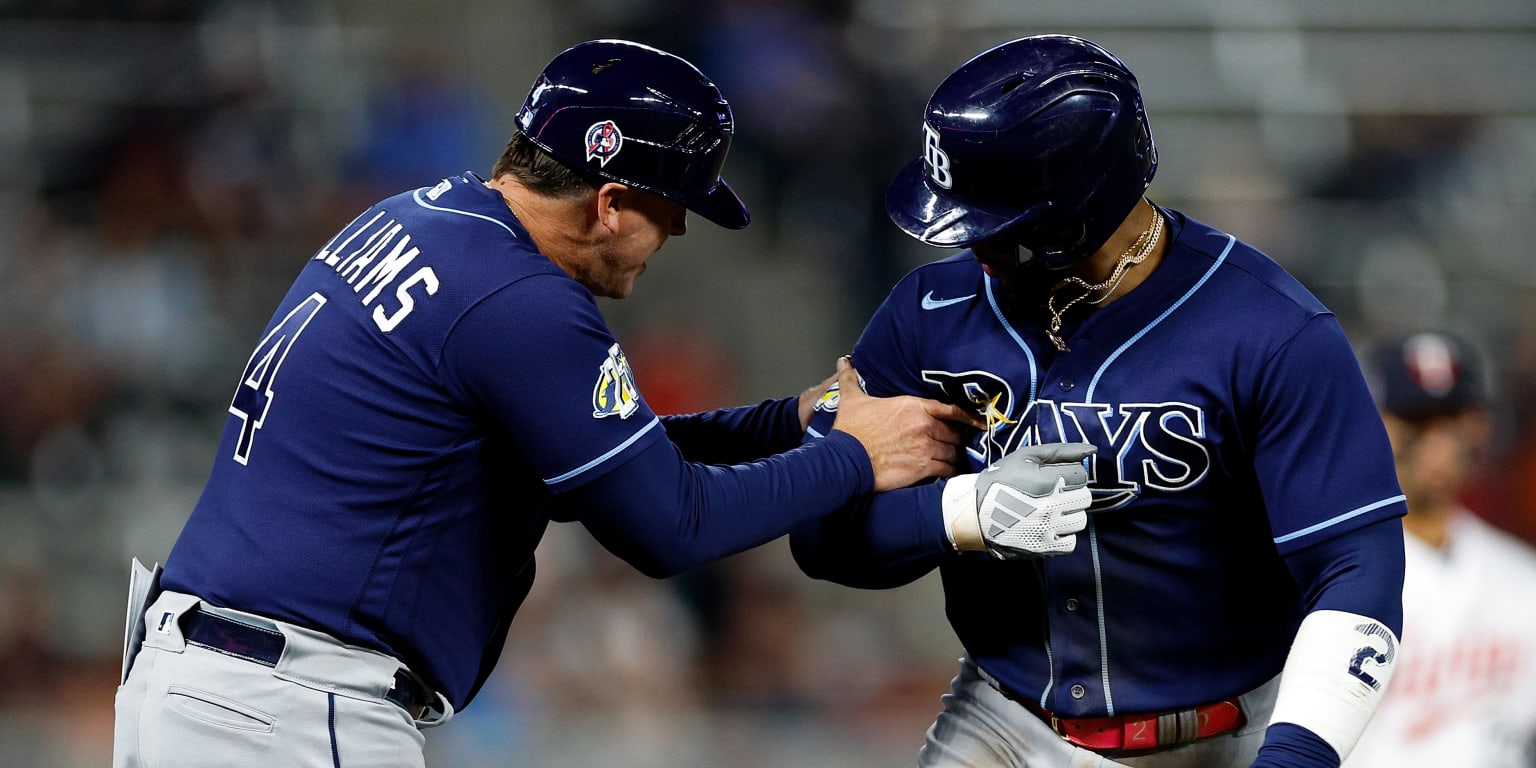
column 938, row 219
column 720, row 205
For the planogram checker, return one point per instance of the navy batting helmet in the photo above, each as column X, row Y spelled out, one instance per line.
column 1043, row 139
column 639, row 116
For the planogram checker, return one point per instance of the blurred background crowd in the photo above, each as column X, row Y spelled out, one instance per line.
column 166, row 166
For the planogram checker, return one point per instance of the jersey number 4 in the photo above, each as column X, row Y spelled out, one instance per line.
column 254, row 395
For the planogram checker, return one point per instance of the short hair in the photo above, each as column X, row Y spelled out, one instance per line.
column 539, row 171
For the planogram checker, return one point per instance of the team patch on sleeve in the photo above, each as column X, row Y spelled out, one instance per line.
column 615, row 393
column 828, row 401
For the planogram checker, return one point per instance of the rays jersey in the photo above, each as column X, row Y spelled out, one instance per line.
column 1233, row 426
column 1464, row 692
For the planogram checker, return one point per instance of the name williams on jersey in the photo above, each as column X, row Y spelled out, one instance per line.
column 1141, row 445
column 377, row 263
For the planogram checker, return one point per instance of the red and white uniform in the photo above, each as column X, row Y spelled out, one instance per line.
column 1464, row 692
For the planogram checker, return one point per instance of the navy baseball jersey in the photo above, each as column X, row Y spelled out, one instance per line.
column 1233, row 427
column 424, row 397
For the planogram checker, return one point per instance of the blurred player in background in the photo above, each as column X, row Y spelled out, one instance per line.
column 1244, row 516
column 436, row 387
column 1465, row 689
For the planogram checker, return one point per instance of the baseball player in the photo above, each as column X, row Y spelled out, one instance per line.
column 1465, row 688
column 436, row 387
column 1232, row 595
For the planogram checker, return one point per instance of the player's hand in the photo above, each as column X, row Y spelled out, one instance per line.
column 810, row 397
column 907, row 438
column 1028, row 504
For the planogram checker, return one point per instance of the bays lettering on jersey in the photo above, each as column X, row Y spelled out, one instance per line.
column 1141, row 445
column 378, row 263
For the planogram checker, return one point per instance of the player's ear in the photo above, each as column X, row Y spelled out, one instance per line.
column 612, row 199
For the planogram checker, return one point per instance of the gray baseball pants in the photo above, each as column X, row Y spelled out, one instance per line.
column 980, row 727
column 321, row 706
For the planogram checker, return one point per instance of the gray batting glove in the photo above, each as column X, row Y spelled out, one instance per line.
column 1028, row 504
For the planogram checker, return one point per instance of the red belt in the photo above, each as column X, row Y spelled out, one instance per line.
column 1139, row 732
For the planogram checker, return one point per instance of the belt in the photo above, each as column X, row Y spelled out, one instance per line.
column 265, row 647
column 1136, row 733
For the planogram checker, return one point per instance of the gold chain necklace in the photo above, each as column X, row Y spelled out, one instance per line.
column 1136, row 254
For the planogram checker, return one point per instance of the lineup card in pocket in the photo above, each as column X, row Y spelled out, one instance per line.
column 143, row 584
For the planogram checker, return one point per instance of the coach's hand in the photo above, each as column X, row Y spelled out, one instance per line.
column 907, row 438
column 1028, row 504
column 810, row 397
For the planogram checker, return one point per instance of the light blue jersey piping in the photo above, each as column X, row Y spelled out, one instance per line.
column 998, row 310
column 1143, row 332
column 1341, row 518
column 1098, row 594
column 655, row 422
column 417, row 197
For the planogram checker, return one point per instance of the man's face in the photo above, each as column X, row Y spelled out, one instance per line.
column 998, row 257
column 1027, row 283
column 1435, row 455
column 646, row 221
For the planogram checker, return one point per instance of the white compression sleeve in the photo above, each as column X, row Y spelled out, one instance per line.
column 1334, row 677
column 960, row 521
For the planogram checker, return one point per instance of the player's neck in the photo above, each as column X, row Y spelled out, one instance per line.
column 1431, row 526
column 1101, row 265
column 558, row 227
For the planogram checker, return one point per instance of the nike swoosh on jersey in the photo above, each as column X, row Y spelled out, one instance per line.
column 929, row 302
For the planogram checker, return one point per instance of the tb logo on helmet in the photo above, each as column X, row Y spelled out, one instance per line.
column 604, row 141
column 935, row 160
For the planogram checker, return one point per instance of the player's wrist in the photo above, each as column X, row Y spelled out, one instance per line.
column 1287, row 745
column 961, row 523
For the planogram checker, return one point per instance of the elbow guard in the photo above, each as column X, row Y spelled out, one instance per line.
column 1337, row 670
